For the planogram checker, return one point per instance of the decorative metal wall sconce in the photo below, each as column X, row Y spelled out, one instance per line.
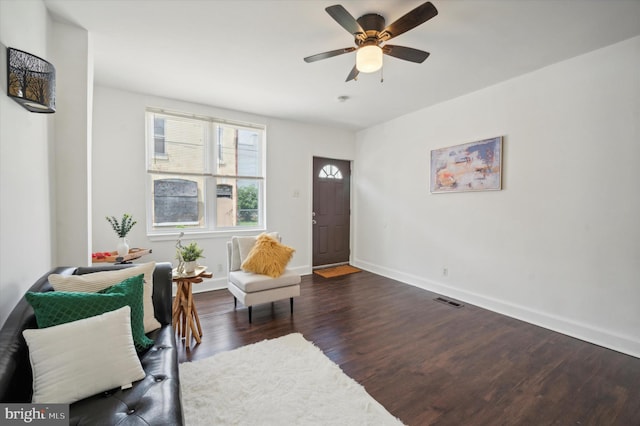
column 31, row 81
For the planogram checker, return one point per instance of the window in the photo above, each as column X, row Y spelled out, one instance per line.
column 205, row 174
column 330, row 171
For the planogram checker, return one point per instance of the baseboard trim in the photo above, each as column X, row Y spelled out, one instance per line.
column 586, row 332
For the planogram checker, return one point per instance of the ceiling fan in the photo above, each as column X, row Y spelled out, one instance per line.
column 371, row 37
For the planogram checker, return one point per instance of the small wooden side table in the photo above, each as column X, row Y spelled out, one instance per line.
column 184, row 315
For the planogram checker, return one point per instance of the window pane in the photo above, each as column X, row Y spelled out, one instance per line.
column 158, row 135
column 330, row 171
column 238, row 202
column 177, row 201
column 239, row 151
column 184, row 145
column 248, row 197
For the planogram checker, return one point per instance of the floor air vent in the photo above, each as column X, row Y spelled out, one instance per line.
column 453, row 303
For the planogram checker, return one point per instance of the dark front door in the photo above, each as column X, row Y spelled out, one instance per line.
column 331, row 211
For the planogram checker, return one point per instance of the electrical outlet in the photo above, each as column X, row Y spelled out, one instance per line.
column 445, row 272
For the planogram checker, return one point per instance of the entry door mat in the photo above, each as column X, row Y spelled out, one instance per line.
column 337, row 271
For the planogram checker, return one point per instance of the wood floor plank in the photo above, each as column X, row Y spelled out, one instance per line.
column 432, row 364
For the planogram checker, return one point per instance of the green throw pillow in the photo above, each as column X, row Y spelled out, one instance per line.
column 60, row 307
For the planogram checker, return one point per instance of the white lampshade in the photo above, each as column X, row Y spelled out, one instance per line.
column 369, row 59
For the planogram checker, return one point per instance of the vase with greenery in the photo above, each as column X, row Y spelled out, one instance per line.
column 122, row 228
column 188, row 255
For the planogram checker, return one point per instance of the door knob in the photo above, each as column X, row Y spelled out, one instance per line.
column 314, row 221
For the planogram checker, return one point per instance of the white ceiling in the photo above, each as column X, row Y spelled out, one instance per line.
column 248, row 55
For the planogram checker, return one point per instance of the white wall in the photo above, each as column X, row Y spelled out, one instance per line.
column 72, row 50
column 119, row 179
column 559, row 246
column 44, row 174
column 25, row 171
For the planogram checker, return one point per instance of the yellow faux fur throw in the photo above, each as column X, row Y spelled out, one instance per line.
column 268, row 257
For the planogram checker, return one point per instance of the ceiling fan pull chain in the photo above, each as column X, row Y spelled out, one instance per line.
column 382, row 75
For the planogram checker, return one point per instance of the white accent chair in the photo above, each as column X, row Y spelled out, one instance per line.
column 253, row 289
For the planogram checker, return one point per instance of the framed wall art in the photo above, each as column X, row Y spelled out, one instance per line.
column 474, row 166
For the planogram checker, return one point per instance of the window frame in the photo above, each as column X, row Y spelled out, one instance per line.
column 210, row 176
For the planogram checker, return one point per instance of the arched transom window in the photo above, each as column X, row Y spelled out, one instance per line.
column 330, row 171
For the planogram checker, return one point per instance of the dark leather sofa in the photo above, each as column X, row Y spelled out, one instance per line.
column 154, row 400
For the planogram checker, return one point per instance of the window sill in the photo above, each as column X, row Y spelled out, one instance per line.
column 202, row 235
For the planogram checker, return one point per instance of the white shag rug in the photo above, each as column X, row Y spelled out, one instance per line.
column 283, row 381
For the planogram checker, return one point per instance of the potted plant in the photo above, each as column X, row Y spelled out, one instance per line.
column 122, row 228
column 188, row 255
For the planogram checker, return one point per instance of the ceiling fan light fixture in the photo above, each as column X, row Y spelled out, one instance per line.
column 369, row 58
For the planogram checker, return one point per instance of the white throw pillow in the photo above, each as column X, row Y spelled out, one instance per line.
column 245, row 244
column 96, row 281
column 79, row 359
column 235, row 255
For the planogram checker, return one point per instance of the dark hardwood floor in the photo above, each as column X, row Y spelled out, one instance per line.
column 430, row 363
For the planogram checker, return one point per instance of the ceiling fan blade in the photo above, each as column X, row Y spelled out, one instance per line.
column 345, row 19
column 417, row 16
column 406, row 53
column 353, row 75
column 329, row 54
